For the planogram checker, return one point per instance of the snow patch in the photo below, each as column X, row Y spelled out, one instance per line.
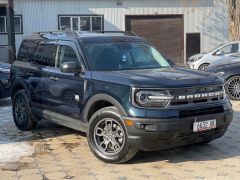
column 13, row 152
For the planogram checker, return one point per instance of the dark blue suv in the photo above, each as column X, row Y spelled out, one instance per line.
column 118, row 89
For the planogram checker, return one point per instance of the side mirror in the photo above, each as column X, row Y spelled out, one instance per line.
column 220, row 53
column 70, row 67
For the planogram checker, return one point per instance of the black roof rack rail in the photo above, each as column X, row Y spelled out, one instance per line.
column 129, row 33
column 67, row 33
column 76, row 33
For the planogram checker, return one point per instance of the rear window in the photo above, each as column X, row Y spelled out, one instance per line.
column 27, row 50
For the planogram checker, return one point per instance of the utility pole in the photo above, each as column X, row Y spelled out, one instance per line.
column 11, row 32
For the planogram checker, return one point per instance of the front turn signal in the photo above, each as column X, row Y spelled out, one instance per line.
column 129, row 122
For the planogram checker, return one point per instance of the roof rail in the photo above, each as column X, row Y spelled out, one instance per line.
column 76, row 33
column 129, row 33
column 67, row 33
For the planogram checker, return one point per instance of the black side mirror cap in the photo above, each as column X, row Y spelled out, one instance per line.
column 71, row 67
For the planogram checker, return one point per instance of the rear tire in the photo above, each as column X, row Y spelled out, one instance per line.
column 22, row 112
column 107, row 137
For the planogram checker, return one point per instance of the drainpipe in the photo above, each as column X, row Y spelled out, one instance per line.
column 10, row 29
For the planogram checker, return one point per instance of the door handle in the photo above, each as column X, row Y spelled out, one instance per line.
column 53, row 78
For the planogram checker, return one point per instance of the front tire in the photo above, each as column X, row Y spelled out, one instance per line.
column 107, row 137
column 22, row 112
column 203, row 67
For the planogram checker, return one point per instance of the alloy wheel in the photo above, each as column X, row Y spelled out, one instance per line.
column 20, row 110
column 109, row 136
column 233, row 88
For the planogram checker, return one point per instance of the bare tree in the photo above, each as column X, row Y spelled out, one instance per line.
column 233, row 7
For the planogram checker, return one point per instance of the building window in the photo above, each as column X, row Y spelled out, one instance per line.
column 81, row 22
column 17, row 24
column 3, row 24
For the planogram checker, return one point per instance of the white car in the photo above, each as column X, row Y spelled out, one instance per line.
column 203, row 60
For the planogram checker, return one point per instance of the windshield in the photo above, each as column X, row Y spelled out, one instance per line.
column 123, row 56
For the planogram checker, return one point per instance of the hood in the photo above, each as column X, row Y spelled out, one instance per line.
column 161, row 78
column 5, row 67
column 196, row 56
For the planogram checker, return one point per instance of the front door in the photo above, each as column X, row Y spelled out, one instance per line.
column 225, row 51
column 66, row 89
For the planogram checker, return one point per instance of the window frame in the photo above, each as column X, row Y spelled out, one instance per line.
column 57, row 64
column 21, row 24
column 72, row 45
column 79, row 21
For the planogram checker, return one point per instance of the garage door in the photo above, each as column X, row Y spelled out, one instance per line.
column 166, row 32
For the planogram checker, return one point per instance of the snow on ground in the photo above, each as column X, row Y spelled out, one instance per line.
column 11, row 147
column 13, row 152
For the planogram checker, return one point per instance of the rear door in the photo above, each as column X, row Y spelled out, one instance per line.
column 66, row 89
column 42, row 60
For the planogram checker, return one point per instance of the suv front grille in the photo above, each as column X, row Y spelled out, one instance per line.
column 200, row 112
column 197, row 95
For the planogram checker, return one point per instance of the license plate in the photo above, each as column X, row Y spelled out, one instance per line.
column 204, row 125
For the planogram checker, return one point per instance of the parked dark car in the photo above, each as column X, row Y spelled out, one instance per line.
column 118, row 89
column 230, row 72
column 4, row 80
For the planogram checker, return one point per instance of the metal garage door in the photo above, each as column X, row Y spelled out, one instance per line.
column 166, row 32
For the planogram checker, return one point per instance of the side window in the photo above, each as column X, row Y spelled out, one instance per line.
column 45, row 55
column 66, row 54
column 229, row 49
column 26, row 50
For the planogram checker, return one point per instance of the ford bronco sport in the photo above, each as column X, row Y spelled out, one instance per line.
column 118, row 89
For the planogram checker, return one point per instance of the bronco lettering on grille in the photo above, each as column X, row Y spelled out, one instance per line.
column 200, row 95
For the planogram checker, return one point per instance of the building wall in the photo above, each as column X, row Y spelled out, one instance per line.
column 209, row 17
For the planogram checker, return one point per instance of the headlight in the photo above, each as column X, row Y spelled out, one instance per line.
column 197, row 58
column 151, row 98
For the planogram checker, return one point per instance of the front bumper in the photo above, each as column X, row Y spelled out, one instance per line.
column 160, row 134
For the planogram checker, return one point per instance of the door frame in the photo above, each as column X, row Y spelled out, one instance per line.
column 200, row 41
